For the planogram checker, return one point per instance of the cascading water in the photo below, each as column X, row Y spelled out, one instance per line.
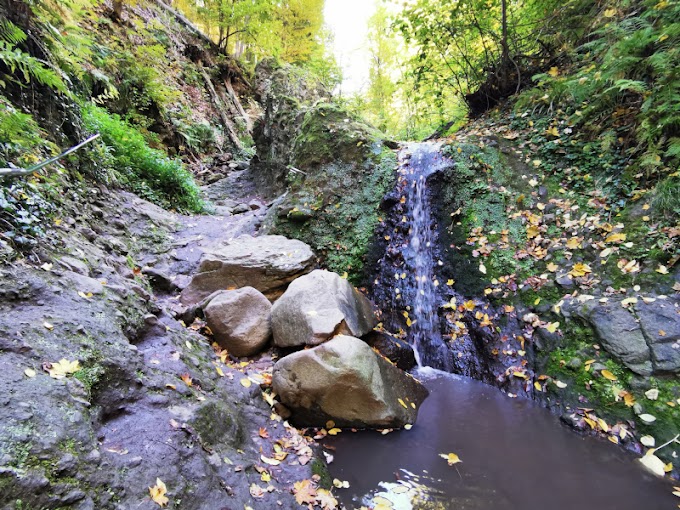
column 407, row 280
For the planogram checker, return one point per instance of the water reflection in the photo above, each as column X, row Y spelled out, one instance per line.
column 515, row 455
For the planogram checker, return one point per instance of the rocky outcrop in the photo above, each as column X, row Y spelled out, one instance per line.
column 645, row 337
column 267, row 263
column 660, row 324
column 240, row 320
column 345, row 381
column 318, row 306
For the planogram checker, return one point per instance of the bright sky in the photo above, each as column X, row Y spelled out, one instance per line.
column 348, row 20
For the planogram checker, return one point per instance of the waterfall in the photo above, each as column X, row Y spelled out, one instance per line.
column 407, row 272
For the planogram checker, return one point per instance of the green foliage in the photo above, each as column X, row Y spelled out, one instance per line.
column 146, row 171
column 625, row 82
column 21, row 65
column 21, row 139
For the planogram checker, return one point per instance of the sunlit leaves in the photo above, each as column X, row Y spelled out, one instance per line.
column 62, row 368
column 451, row 458
column 157, row 493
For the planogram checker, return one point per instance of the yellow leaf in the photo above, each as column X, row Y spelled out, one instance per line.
column 580, row 269
column 403, row 404
column 305, row 493
column 613, row 439
column 590, row 422
column 451, row 458
column 605, row 253
column 662, row 269
column 553, row 130
column 552, row 267
column 271, row 462
column 608, row 375
column 610, row 13
column 554, row 72
column 552, row 327
column 629, row 399
column 265, row 477
column 334, row 431
column 63, row 368
column 521, row 375
column 29, row 372
column 330, row 424
column 449, row 282
column 615, row 238
column 668, row 467
column 245, row 382
column 220, row 372
column 573, row 243
column 603, row 425
column 157, row 493
column 532, row 231
column 538, row 386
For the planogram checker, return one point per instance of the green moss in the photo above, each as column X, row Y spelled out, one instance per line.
column 344, row 199
column 218, row 425
column 320, row 468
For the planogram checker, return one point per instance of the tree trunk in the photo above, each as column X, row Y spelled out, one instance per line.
column 228, row 125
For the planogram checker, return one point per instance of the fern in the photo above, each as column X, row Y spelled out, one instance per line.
column 30, row 67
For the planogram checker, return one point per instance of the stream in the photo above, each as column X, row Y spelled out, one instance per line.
column 515, row 454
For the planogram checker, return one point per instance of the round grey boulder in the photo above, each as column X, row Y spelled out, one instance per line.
column 318, row 306
column 240, row 320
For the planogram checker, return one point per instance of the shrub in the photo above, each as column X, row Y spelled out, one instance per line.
column 148, row 172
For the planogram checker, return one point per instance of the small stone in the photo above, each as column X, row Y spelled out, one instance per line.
column 575, row 363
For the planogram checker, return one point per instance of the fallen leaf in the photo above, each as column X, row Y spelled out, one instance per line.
column 29, row 372
column 552, row 267
column 187, row 379
column 608, row 375
column 47, row 325
column 340, row 484
column 157, row 493
column 648, row 441
column 662, row 269
column 245, row 382
column 647, row 418
column 580, row 269
column 652, row 394
column 62, row 368
column 271, row 462
column 560, row 384
column 554, row 72
column 326, row 500
column 482, row 268
column 263, row 433
column 653, row 463
column 451, row 458
column 615, row 238
column 305, row 493
column 334, row 431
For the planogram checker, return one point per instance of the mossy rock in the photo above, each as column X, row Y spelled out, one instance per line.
column 218, row 424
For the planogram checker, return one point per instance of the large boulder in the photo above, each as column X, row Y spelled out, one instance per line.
column 660, row 324
column 267, row 263
column 317, row 307
column 345, row 381
column 240, row 320
column 617, row 330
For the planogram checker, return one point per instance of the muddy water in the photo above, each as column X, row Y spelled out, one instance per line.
column 515, row 456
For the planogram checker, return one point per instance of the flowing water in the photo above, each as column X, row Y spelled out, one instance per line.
column 515, row 454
